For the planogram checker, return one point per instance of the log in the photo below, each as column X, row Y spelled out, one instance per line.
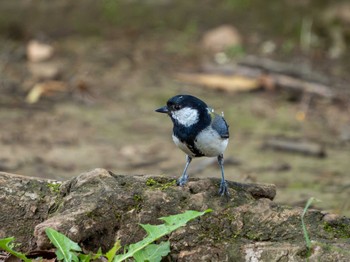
column 303, row 86
column 269, row 74
column 301, row 71
column 299, row 147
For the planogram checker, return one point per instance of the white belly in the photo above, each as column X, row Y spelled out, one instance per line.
column 210, row 143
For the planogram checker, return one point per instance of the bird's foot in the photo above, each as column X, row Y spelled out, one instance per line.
column 182, row 180
column 223, row 191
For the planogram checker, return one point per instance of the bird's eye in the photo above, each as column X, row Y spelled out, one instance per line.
column 176, row 107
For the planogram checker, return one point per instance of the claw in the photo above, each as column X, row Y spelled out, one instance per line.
column 182, row 180
column 223, row 185
column 223, row 191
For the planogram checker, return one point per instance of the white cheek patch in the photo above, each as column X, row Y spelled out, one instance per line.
column 186, row 116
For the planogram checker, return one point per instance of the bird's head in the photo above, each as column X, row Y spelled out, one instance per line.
column 185, row 110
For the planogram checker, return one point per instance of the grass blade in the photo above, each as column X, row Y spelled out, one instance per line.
column 306, row 235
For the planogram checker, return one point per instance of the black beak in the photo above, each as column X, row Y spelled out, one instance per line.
column 163, row 109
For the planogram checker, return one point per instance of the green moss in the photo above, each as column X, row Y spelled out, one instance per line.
column 138, row 202
column 137, row 198
column 117, row 216
column 340, row 230
column 152, row 183
column 254, row 235
column 230, row 216
column 54, row 186
column 215, row 232
column 217, row 229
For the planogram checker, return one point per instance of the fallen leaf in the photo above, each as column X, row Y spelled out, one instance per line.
column 232, row 83
column 45, row 88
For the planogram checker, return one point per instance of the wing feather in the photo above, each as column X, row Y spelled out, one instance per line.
column 219, row 124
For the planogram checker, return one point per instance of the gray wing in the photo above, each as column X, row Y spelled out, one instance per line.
column 219, row 124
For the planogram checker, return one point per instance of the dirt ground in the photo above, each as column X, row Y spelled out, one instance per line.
column 105, row 118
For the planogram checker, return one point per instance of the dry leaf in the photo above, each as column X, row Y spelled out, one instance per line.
column 232, row 83
column 45, row 88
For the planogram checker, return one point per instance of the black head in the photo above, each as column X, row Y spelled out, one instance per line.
column 182, row 101
column 186, row 111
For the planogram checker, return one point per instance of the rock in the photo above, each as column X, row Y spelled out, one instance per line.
column 220, row 38
column 38, row 51
column 19, row 210
column 98, row 207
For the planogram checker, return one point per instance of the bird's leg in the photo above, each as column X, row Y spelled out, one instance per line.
column 223, row 185
column 183, row 179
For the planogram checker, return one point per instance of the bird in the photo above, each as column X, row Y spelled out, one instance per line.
column 198, row 131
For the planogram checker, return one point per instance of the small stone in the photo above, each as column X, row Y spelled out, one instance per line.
column 38, row 51
column 33, row 209
column 329, row 218
column 220, row 38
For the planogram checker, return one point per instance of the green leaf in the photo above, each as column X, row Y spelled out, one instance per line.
column 111, row 253
column 155, row 232
column 64, row 245
column 153, row 252
column 5, row 245
column 84, row 258
column 181, row 219
column 98, row 254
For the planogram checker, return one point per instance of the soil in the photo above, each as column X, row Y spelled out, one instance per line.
column 116, row 79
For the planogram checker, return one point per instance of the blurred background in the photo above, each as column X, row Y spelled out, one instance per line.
column 79, row 82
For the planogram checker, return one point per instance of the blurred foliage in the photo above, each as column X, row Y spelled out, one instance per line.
column 90, row 16
column 302, row 25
